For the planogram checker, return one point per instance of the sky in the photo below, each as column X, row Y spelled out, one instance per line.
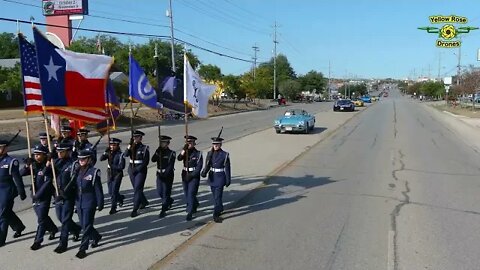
column 346, row 38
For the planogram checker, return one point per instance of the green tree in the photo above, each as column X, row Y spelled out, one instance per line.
column 10, row 79
column 8, row 46
column 290, row 89
column 233, row 87
column 313, row 81
column 432, row 89
column 210, row 73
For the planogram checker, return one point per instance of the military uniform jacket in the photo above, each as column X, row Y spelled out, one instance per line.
column 140, row 159
column 194, row 164
column 165, row 159
column 65, row 169
column 116, row 162
column 86, row 145
column 11, row 183
column 219, row 172
column 42, row 180
column 89, row 188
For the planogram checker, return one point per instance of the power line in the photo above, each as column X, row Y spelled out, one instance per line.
column 254, row 15
column 139, row 23
column 218, row 17
column 131, row 34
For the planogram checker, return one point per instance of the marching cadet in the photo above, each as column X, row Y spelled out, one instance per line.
column 165, row 159
column 66, row 169
column 44, row 191
column 116, row 163
column 11, row 185
column 192, row 165
column 217, row 166
column 43, row 138
column 137, row 171
column 66, row 135
column 83, row 144
column 89, row 199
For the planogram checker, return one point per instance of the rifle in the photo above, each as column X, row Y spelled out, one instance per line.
column 14, row 137
column 94, row 147
column 208, row 160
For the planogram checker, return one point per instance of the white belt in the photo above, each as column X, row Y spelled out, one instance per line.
column 218, row 170
column 136, row 161
column 189, row 169
column 161, row 171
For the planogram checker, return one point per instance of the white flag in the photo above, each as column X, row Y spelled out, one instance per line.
column 196, row 92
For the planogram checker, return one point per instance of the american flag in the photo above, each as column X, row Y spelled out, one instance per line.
column 32, row 93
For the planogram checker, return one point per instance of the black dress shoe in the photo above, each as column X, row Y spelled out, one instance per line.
column 52, row 235
column 112, row 211
column 36, row 246
column 162, row 214
column 76, row 236
column 217, row 219
column 134, row 214
column 95, row 242
column 17, row 234
column 60, row 249
column 81, row 254
column 189, row 217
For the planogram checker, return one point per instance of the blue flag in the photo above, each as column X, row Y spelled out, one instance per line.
column 140, row 88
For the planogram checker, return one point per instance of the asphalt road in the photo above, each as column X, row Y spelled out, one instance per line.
column 235, row 126
column 393, row 189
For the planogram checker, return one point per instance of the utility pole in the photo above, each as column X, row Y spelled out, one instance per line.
column 439, row 65
column 458, row 66
column 172, row 38
column 328, row 82
column 275, row 61
column 255, row 50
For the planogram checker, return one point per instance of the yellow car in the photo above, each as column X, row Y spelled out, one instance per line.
column 358, row 103
column 374, row 98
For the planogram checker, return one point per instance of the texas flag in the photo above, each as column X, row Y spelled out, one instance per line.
column 69, row 79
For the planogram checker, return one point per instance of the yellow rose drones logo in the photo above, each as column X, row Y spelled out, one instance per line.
column 448, row 33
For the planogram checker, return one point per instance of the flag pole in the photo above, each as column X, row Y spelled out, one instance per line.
column 27, row 124
column 157, row 71
column 52, row 164
column 185, row 97
column 49, row 143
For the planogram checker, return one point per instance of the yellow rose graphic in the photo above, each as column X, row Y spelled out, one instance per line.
column 448, row 31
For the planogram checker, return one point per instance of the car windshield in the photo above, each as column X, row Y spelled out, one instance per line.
column 293, row 112
column 343, row 102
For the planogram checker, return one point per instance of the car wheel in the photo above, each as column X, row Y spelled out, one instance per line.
column 277, row 131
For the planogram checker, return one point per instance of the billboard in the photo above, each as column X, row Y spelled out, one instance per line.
column 64, row 7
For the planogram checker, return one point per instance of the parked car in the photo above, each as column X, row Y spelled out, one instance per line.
column 358, row 102
column 295, row 120
column 343, row 105
column 367, row 99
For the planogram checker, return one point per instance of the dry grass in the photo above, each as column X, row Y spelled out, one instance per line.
column 468, row 111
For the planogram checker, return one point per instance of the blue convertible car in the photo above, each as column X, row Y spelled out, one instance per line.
column 295, row 120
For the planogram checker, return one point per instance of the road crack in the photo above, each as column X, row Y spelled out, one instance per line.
column 395, row 131
column 396, row 211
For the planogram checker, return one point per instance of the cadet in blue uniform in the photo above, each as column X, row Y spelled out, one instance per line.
column 11, row 185
column 217, row 166
column 116, row 163
column 165, row 159
column 66, row 169
column 192, row 165
column 137, row 171
column 89, row 199
column 43, row 138
column 67, row 137
column 44, row 191
column 83, row 144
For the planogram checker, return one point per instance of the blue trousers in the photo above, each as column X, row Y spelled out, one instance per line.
column 45, row 223
column 8, row 218
column 164, row 190
column 138, row 183
column 114, row 184
column 88, row 231
column 190, row 190
column 217, row 193
column 64, row 212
